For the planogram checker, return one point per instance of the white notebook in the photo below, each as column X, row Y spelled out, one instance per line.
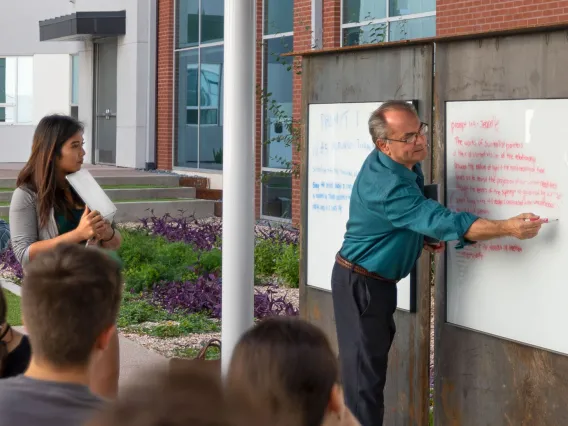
column 92, row 194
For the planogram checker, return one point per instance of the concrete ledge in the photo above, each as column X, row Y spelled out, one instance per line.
column 134, row 193
column 11, row 287
column 150, row 193
column 134, row 211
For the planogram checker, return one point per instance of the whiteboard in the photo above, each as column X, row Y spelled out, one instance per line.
column 504, row 158
column 338, row 144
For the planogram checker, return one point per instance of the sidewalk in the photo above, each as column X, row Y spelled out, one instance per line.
column 135, row 360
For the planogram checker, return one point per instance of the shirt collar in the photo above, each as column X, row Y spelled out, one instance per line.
column 399, row 169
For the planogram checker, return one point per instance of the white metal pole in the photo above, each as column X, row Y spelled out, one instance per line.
column 238, row 175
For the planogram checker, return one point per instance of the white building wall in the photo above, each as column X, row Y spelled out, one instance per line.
column 50, row 77
column 51, row 92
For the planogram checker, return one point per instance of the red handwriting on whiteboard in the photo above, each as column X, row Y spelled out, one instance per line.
column 491, row 174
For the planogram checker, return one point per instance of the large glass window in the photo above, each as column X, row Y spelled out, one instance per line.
column 199, row 85
column 16, row 90
column 278, row 16
column 277, row 88
column 376, row 21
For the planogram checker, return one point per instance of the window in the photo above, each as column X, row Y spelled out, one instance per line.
column 375, row 21
column 199, row 84
column 277, row 77
column 75, row 86
column 16, row 90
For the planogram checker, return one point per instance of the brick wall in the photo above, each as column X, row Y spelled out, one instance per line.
column 473, row 16
column 331, row 23
column 302, row 41
column 165, row 92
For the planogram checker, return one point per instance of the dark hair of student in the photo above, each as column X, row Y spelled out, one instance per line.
column 289, row 365
column 40, row 174
column 70, row 295
column 186, row 394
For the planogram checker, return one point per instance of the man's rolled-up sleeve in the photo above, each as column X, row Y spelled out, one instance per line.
column 406, row 207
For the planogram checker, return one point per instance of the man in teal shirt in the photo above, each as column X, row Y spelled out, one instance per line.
column 388, row 219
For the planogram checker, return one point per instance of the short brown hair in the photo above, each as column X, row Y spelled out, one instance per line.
column 69, row 297
column 185, row 394
column 378, row 127
column 289, row 365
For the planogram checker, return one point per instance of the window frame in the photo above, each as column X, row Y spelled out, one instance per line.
column 14, row 105
column 198, row 47
column 387, row 21
column 267, row 170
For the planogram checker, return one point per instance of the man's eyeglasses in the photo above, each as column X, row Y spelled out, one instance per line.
column 414, row 136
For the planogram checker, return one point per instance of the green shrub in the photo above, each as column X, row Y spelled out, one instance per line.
column 266, row 252
column 288, row 265
column 210, row 261
column 135, row 310
column 149, row 260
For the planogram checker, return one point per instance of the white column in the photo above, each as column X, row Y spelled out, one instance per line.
column 238, row 174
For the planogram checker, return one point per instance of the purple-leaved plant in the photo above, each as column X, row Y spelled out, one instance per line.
column 204, row 294
column 204, row 235
column 10, row 263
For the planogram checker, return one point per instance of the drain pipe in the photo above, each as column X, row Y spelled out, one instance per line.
column 151, row 87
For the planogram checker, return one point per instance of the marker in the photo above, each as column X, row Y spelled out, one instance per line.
column 544, row 220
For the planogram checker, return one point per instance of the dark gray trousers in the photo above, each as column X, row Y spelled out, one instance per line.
column 364, row 309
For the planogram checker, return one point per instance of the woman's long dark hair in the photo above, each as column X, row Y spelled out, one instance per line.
column 40, row 174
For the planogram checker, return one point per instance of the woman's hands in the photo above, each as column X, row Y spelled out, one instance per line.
column 91, row 225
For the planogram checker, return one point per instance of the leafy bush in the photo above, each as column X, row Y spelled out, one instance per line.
column 150, row 259
column 209, row 262
column 204, row 295
column 288, row 265
column 266, row 252
column 136, row 310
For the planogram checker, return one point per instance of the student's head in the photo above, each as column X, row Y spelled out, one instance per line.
column 70, row 301
column 57, row 150
column 184, row 395
column 397, row 131
column 288, row 364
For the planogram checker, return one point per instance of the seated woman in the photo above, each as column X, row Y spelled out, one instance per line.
column 289, row 367
column 15, row 351
column 45, row 211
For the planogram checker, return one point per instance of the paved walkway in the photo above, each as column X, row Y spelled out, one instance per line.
column 135, row 360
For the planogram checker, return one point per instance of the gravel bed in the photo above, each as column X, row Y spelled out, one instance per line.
column 169, row 346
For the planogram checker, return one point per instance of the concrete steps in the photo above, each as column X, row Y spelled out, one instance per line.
column 154, row 179
column 136, row 196
column 118, row 194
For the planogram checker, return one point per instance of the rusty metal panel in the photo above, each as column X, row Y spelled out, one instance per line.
column 366, row 76
column 480, row 379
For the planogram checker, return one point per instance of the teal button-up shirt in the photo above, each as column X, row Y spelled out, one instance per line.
column 389, row 216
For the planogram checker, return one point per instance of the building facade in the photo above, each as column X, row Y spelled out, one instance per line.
column 91, row 59
column 146, row 76
column 190, row 81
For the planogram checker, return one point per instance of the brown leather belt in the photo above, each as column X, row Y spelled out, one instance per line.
column 360, row 270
